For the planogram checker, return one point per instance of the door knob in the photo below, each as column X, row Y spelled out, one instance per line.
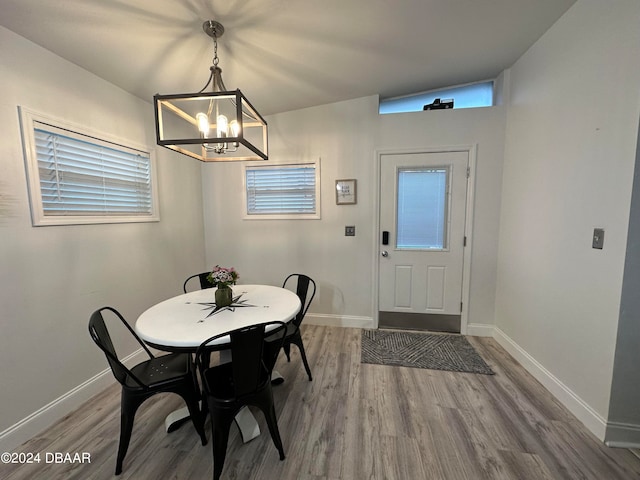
column 384, row 253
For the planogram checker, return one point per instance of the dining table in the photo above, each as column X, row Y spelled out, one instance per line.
column 183, row 322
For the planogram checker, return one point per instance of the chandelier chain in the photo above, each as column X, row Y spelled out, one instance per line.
column 215, row 51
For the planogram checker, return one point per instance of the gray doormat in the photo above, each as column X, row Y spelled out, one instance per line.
column 422, row 350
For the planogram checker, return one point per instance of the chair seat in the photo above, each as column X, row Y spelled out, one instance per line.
column 159, row 370
column 292, row 328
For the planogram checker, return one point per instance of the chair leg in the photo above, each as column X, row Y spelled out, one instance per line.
column 126, row 427
column 204, row 409
column 298, row 341
column 197, row 416
column 195, row 400
column 220, row 426
column 129, row 406
column 287, row 351
column 272, row 423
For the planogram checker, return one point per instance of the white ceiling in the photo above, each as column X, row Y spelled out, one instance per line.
column 287, row 54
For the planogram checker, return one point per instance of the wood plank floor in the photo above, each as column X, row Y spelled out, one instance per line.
column 354, row 421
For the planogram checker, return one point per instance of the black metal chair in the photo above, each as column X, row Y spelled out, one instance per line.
column 306, row 290
column 202, row 278
column 246, row 380
column 173, row 373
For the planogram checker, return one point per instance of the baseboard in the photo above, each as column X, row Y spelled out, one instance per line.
column 480, row 330
column 350, row 321
column 578, row 407
column 622, row 435
column 30, row 426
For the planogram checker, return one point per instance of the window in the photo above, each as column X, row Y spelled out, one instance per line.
column 464, row 96
column 283, row 191
column 422, row 208
column 77, row 178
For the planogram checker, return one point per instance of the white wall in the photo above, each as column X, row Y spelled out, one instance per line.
column 570, row 149
column 346, row 136
column 266, row 251
column 52, row 278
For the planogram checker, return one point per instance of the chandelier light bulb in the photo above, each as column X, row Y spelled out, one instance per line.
column 222, row 126
column 235, row 128
column 203, row 124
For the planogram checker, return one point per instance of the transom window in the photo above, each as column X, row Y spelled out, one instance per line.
column 464, row 96
column 283, row 191
column 77, row 178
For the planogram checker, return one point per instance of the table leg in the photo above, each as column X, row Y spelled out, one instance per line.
column 246, row 422
column 175, row 419
column 276, row 378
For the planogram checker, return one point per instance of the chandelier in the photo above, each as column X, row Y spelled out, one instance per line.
column 216, row 126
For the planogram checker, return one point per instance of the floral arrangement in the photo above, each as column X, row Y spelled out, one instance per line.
column 223, row 277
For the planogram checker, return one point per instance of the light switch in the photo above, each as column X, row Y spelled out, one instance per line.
column 598, row 238
column 350, row 231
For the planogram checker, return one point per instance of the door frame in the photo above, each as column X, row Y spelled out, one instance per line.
column 468, row 225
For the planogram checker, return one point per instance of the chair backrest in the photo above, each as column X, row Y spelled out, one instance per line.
column 100, row 335
column 305, row 289
column 254, row 350
column 202, row 278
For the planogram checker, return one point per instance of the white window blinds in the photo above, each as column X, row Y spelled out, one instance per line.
column 77, row 178
column 422, row 208
column 82, row 178
column 281, row 190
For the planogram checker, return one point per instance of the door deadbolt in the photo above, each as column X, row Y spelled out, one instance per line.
column 384, row 253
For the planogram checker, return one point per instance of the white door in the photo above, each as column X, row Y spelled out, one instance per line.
column 422, row 238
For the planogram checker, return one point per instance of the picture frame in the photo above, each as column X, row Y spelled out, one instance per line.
column 346, row 191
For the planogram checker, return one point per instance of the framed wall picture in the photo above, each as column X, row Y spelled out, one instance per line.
column 346, row 193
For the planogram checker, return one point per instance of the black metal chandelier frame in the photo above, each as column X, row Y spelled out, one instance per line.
column 220, row 125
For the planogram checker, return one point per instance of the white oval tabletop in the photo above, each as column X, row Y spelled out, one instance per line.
column 185, row 321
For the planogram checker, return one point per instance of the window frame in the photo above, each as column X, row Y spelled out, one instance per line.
column 282, row 216
column 30, row 120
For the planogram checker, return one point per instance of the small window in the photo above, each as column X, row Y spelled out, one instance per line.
column 283, row 191
column 422, row 215
column 464, row 96
column 77, row 178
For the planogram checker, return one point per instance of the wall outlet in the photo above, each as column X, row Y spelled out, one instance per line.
column 350, row 231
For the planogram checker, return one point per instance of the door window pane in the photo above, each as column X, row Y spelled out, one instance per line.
column 422, row 208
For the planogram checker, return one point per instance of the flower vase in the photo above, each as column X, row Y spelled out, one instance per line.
column 224, row 297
